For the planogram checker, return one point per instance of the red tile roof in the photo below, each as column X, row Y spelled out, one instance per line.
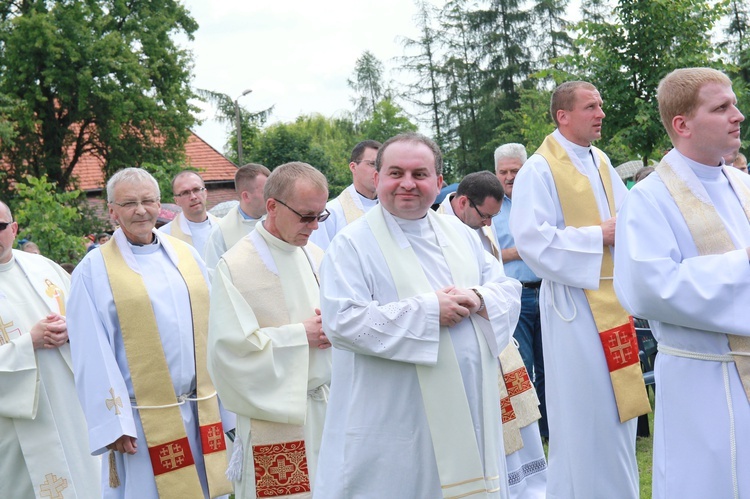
column 213, row 165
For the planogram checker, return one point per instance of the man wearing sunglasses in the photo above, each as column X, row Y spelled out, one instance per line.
column 418, row 312
column 355, row 200
column 42, row 426
column 268, row 355
column 193, row 225
column 525, row 458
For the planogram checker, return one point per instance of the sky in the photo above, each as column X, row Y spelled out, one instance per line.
column 294, row 55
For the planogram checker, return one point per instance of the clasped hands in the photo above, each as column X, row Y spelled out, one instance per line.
column 316, row 338
column 456, row 304
column 50, row 332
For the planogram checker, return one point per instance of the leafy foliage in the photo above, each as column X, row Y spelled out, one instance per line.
column 100, row 77
column 50, row 219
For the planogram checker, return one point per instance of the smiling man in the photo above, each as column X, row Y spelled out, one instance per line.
column 138, row 319
column 417, row 312
column 194, row 224
column 267, row 352
column 683, row 239
column 563, row 220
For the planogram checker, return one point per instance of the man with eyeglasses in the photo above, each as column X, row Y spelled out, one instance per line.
column 566, row 198
column 509, row 158
column 418, row 312
column 267, row 352
column 355, row 200
column 194, row 224
column 42, row 427
column 476, row 201
column 138, row 319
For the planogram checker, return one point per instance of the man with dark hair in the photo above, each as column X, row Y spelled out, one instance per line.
column 683, row 244
column 267, row 352
column 417, row 312
column 42, row 427
column 194, row 223
column 566, row 197
column 249, row 182
column 476, row 201
column 355, row 200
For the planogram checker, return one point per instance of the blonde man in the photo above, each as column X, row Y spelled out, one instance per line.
column 683, row 239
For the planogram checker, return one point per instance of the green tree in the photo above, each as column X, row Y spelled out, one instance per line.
column 552, row 37
column 627, row 57
column 100, row 77
column 387, row 120
column 251, row 123
column 50, row 219
column 367, row 82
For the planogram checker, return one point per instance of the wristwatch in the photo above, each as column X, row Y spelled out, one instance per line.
column 481, row 299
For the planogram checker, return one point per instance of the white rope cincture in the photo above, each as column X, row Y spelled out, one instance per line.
column 181, row 399
column 570, row 297
column 320, row 393
column 725, row 359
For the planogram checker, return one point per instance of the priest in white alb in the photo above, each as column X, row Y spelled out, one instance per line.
column 194, row 224
column 476, row 202
column 267, row 352
column 138, row 319
column 354, row 201
column 565, row 202
column 683, row 244
column 249, row 181
column 43, row 444
column 417, row 312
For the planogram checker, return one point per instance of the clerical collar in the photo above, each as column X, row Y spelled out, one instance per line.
column 155, row 240
column 365, row 197
column 706, row 172
column 274, row 241
column 4, row 267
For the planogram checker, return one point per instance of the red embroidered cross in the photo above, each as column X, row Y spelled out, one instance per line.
column 172, row 456
column 281, row 468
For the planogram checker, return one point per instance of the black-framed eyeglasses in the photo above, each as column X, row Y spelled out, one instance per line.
column 4, row 225
column 306, row 219
column 189, row 192
column 483, row 216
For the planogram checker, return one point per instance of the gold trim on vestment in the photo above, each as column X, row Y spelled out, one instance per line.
column 711, row 237
column 166, row 438
column 579, row 209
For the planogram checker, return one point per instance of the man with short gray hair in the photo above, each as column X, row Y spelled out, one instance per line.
column 138, row 319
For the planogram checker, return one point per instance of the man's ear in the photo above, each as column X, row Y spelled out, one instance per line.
column 681, row 126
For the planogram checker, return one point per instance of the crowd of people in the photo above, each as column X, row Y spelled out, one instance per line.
column 371, row 346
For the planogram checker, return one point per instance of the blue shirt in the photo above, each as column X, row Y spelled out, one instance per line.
column 516, row 268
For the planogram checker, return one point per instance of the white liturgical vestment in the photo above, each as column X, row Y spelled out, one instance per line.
column 591, row 454
column 226, row 233
column 100, row 362
column 377, row 440
column 259, row 356
column 343, row 209
column 43, row 443
column 702, row 417
column 194, row 233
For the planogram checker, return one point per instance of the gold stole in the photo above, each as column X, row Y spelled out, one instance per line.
column 275, row 445
column 711, row 238
column 615, row 326
column 180, row 234
column 171, row 457
column 446, row 406
column 519, row 404
column 351, row 210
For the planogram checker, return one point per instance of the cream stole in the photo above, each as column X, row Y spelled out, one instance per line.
column 234, row 227
column 519, row 404
column 264, row 291
column 352, row 210
column 181, row 230
column 448, row 415
column 614, row 324
column 709, row 233
column 171, row 457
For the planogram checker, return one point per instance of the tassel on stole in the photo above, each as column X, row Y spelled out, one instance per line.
column 114, row 479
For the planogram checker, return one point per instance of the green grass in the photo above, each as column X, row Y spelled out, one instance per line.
column 644, row 447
